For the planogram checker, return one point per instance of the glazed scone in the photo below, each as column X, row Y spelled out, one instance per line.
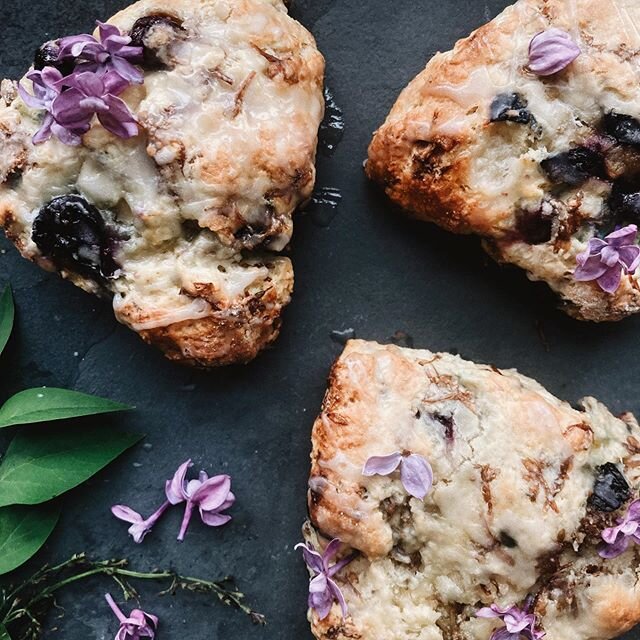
column 522, row 491
column 182, row 224
column 536, row 165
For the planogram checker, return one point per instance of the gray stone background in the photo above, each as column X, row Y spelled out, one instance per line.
column 369, row 269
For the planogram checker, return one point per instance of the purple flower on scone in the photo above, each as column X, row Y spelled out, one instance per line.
column 518, row 623
column 323, row 591
column 113, row 52
column 617, row 539
column 139, row 526
column 606, row 260
column 212, row 496
column 91, row 95
column 138, row 624
column 415, row 472
column 551, row 51
column 47, row 86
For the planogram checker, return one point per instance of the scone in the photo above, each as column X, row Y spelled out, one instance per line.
column 524, row 488
column 527, row 133
column 159, row 163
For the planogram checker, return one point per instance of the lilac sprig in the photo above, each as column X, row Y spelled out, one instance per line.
column 617, row 539
column 323, row 590
column 140, row 527
column 211, row 496
column 552, row 51
column 606, row 260
column 416, row 473
column 518, row 623
column 112, row 53
column 103, row 70
column 139, row 624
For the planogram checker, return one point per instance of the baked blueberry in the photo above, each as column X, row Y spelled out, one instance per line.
column 610, row 490
column 625, row 129
column 511, row 107
column 574, row 167
column 71, row 232
column 141, row 36
column 47, row 56
column 534, row 225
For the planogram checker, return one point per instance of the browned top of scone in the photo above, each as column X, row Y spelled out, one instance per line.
column 511, row 514
column 454, row 152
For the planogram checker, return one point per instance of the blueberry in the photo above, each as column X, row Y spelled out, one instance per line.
column 624, row 202
column 72, row 233
column 574, row 167
column 510, row 107
column 47, row 56
column 142, row 28
column 625, row 129
column 534, row 225
column 610, row 490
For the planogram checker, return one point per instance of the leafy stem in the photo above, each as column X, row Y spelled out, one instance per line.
column 24, row 606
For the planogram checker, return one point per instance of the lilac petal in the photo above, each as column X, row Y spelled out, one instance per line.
column 331, row 551
column 214, row 519
column 591, row 269
column 72, row 138
column 118, row 119
column 174, row 488
column 320, row 596
column 28, row 99
column 504, row 634
column 212, row 493
column 44, row 133
column 634, row 510
column 518, row 621
column 127, row 71
column 337, row 594
column 614, row 550
column 382, row 465
column 625, row 235
column 552, row 51
column 312, row 558
column 609, row 256
column 416, row 475
column 126, row 514
column 107, row 30
column 488, row 612
column 630, row 258
column 610, row 280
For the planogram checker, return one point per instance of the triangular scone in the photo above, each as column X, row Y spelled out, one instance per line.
column 524, row 485
column 440, row 155
column 182, row 224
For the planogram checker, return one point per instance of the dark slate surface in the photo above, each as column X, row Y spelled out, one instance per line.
column 369, row 269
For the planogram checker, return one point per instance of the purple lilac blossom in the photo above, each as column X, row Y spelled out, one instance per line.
column 138, row 625
column 139, row 526
column 518, row 623
column 415, row 472
column 212, row 496
column 323, row 590
column 606, row 260
column 112, row 53
column 617, row 539
column 552, row 51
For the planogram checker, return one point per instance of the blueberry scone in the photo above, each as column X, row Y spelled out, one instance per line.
column 159, row 161
column 456, row 501
column 527, row 133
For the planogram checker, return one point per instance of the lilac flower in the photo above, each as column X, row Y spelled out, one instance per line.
column 138, row 625
column 606, row 260
column 212, row 496
column 323, row 591
column 415, row 472
column 111, row 53
column 551, row 51
column 47, row 86
column 139, row 526
column 617, row 539
column 89, row 95
column 518, row 623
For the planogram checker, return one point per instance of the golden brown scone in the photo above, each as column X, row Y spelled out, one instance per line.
column 184, row 221
column 451, row 153
column 524, row 485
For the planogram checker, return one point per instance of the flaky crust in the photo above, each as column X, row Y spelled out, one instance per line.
column 508, row 516
column 439, row 157
column 201, row 202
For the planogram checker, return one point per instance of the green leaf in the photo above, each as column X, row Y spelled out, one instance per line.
column 41, row 465
column 4, row 634
column 23, row 530
column 44, row 404
column 6, row 321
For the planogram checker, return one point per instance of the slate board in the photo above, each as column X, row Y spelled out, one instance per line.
column 369, row 269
